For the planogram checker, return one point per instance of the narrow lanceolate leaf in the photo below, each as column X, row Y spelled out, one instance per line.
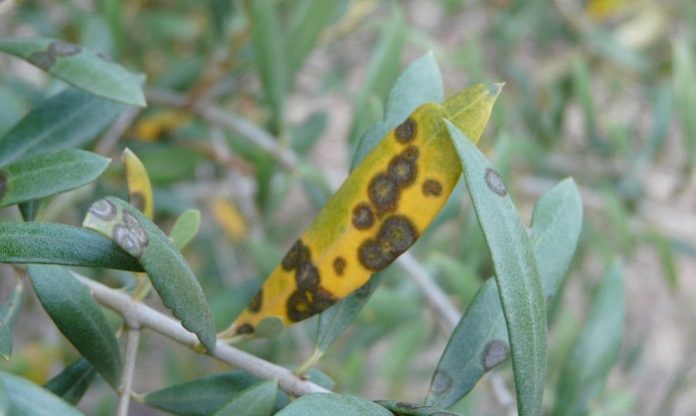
column 169, row 273
column 322, row 404
column 47, row 174
column 480, row 341
column 203, row 396
column 78, row 316
column 269, row 52
column 377, row 214
column 413, row 409
column 185, row 228
column 139, row 188
column 79, row 66
column 585, row 372
column 420, row 83
column 685, row 94
column 26, row 398
column 70, row 118
column 72, row 383
column 50, row 243
column 311, row 18
column 258, row 400
column 517, row 276
column 8, row 313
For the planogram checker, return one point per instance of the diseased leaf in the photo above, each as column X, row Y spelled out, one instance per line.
column 258, row 400
column 34, row 177
column 377, row 214
column 26, row 398
column 517, row 276
column 480, row 341
column 595, row 352
column 78, row 66
column 51, row 243
column 170, row 274
column 203, row 396
column 72, row 383
column 68, row 119
column 185, row 228
column 78, row 316
column 139, row 188
column 323, row 404
column 413, row 409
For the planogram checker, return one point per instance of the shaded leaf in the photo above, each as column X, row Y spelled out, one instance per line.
column 78, row 66
column 170, row 274
column 5, row 341
column 413, row 409
column 270, row 56
column 185, row 228
column 30, row 209
column 597, row 348
column 78, row 316
column 34, row 177
column 258, row 400
column 51, row 243
column 8, row 313
column 68, row 119
column 26, row 398
column 203, row 396
column 72, row 383
column 329, row 404
column 517, row 276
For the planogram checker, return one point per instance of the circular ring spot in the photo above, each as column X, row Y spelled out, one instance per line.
column 495, row 353
column 298, row 306
column 397, row 235
column 339, row 265
column 411, row 153
column 298, row 254
column 322, row 299
column 406, row 131
column 306, row 276
column 383, row 192
column 372, row 257
column 103, row 209
column 441, row 383
column 431, row 187
column 494, row 182
column 363, row 217
column 403, row 171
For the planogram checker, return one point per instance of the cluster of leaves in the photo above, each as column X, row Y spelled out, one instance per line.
column 272, row 40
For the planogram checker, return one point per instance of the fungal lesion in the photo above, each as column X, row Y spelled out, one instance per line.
column 56, row 49
column 130, row 235
column 362, row 216
column 407, row 131
column 339, row 265
column 494, row 182
column 256, row 302
column 431, row 187
column 395, row 236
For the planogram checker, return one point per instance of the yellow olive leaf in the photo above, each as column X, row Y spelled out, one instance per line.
column 232, row 221
column 139, row 188
column 377, row 214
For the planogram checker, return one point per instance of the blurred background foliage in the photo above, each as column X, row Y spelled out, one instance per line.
column 600, row 90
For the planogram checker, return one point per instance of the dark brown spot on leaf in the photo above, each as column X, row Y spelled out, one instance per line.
column 137, row 200
column 371, row 256
column 431, row 187
column 339, row 265
column 322, row 300
column 403, row 171
column 245, row 329
column 298, row 254
column 257, row 302
column 103, row 209
column 298, row 306
column 306, row 276
column 411, row 153
column 406, row 131
column 441, row 382
column 495, row 353
column 363, row 217
column 494, row 182
column 397, row 235
column 383, row 192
